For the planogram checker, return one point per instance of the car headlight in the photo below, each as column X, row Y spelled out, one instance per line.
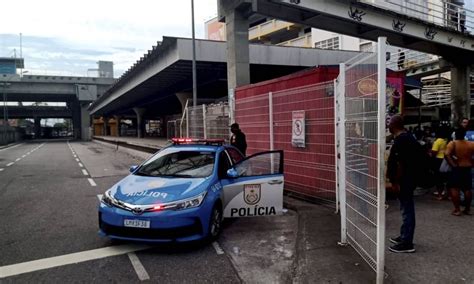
column 107, row 199
column 192, row 202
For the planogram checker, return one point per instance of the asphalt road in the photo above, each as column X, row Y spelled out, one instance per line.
column 48, row 228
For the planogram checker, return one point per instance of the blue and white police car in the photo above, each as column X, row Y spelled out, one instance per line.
column 183, row 192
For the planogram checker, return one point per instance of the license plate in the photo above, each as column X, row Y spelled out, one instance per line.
column 136, row 223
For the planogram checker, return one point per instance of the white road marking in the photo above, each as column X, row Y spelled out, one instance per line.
column 8, row 148
column 99, row 196
column 80, row 165
column 77, row 160
column 17, row 159
column 23, row 156
column 137, row 265
column 45, row 263
column 218, row 248
column 85, row 172
column 1, row 169
column 92, row 182
column 9, row 164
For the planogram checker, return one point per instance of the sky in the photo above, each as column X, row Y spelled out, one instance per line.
column 69, row 37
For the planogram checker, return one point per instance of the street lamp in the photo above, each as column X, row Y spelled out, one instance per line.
column 194, row 57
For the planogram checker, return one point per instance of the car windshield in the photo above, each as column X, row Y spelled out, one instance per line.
column 178, row 163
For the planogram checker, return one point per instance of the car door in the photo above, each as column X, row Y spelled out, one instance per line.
column 256, row 188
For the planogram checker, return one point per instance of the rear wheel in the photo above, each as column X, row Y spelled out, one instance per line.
column 215, row 224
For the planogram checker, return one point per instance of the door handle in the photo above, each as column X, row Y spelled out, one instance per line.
column 275, row 181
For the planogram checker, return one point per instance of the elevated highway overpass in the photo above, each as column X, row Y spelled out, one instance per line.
column 76, row 92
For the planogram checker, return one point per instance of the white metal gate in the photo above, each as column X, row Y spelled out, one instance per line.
column 206, row 121
column 361, row 119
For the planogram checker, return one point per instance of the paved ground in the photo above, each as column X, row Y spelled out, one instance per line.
column 48, row 233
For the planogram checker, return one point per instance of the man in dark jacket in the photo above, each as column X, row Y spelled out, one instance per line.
column 402, row 171
column 238, row 138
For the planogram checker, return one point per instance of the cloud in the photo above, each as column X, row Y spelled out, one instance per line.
column 75, row 35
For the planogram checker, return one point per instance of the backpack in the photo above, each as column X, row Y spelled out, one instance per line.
column 425, row 175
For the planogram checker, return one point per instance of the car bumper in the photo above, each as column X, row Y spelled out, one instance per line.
column 165, row 226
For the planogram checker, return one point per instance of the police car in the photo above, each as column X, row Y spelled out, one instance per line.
column 183, row 192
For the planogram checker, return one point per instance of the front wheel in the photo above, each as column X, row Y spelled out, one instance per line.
column 215, row 224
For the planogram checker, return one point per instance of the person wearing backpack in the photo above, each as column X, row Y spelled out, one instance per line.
column 459, row 155
column 403, row 173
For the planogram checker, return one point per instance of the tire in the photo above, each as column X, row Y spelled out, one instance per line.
column 215, row 222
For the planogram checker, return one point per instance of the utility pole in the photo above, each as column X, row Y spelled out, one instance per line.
column 194, row 57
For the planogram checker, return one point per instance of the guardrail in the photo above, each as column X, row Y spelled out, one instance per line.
column 437, row 12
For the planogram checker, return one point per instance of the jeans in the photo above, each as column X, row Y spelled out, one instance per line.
column 407, row 208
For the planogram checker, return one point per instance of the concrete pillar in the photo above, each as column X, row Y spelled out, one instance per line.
column 238, row 64
column 37, row 127
column 105, row 131
column 140, row 121
column 183, row 97
column 118, row 119
column 460, row 93
column 85, row 122
column 76, row 119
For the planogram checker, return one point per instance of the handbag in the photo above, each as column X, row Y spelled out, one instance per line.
column 445, row 166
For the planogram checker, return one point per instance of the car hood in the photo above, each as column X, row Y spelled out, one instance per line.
column 142, row 190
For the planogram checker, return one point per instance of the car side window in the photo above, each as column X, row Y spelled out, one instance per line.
column 224, row 165
column 235, row 155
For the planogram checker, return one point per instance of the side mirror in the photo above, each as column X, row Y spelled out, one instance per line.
column 133, row 168
column 232, row 173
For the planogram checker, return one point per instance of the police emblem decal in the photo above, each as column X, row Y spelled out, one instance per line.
column 252, row 193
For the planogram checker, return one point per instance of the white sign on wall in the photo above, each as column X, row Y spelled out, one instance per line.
column 298, row 129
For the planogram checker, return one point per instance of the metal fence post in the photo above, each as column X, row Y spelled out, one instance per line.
column 342, row 149
column 381, row 88
column 232, row 105
column 187, row 122
column 270, row 125
column 204, row 121
column 336, row 141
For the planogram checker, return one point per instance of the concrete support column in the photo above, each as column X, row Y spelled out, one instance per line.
column 183, row 97
column 118, row 119
column 238, row 62
column 105, row 131
column 460, row 93
column 85, row 122
column 76, row 119
column 37, row 127
column 140, row 121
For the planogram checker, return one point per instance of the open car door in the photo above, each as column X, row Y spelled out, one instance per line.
column 254, row 186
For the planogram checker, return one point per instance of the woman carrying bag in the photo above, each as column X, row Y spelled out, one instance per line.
column 437, row 152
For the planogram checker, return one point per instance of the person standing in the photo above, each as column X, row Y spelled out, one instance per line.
column 237, row 139
column 403, row 160
column 437, row 152
column 459, row 155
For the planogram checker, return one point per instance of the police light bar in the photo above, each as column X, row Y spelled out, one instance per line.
column 197, row 141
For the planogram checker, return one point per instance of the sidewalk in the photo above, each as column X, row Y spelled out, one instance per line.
column 153, row 144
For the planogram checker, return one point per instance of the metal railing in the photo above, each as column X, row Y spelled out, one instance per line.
column 438, row 12
column 210, row 121
column 267, row 28
column 302, row 41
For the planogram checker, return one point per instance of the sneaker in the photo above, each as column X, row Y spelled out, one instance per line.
column 397, row 240
column 402, row 248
